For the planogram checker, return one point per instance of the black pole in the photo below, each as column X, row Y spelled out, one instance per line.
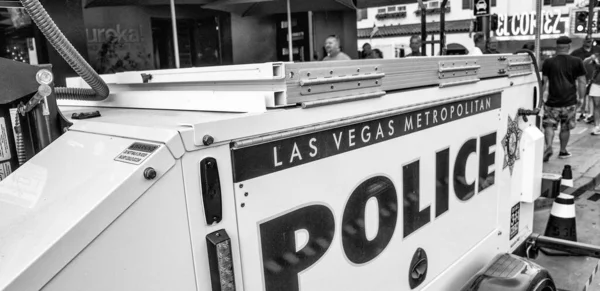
column 570, row 247
column 423, row 29
column 591, row 7
column 443, row 27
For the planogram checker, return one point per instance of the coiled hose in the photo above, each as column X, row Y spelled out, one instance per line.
column 99, row 89
column 20, row 143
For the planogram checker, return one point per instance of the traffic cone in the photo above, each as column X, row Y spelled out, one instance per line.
column 561, row 223
column 567, row 177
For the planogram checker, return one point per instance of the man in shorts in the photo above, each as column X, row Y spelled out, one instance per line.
column 564, row 88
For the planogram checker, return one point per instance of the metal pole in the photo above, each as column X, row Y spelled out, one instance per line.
column 311, row 36
column 592, row 5
column 175, row 39
column 571, row 247
column 289, row 18
column 538, row 25
column 443, row 27
column 485, row 20
column 423, row 26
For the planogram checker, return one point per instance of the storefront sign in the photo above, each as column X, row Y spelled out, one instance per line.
column 122, row 35
column 522, row 26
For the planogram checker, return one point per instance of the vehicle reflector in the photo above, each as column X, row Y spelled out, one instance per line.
column 220, row 261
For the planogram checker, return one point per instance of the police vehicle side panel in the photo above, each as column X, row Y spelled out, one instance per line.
column 348, row 207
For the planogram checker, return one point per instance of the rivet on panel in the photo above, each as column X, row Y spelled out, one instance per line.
column 207, row 140
column 149, row 173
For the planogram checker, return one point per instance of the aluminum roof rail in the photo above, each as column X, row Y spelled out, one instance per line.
column 257, row 87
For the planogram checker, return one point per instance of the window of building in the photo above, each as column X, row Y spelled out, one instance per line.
column 547, row 2
column 559, row 2
column 468, row 4
column 403, row 8
column 362, row 14
column 493, row 3
column 381, row 10
column 391, row 9
column 434, row 4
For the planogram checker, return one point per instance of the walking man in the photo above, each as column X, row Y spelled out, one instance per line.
column 564, row 88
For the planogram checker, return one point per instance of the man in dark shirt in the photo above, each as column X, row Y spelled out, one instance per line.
column 564, row 87
column 586, row 50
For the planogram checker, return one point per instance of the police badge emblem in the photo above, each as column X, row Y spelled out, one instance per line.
column 511, row 142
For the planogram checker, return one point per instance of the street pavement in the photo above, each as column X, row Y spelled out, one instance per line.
column 585, row 161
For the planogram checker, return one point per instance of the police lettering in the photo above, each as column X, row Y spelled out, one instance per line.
column 283, row 260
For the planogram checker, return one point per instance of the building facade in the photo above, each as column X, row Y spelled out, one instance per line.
column 389, row 28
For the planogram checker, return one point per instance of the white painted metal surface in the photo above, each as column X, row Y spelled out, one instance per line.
column 145, row 248
column 58, row 202
column 85, row 205
column 330, row 182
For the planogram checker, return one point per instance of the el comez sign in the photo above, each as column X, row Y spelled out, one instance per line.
column 524, row 25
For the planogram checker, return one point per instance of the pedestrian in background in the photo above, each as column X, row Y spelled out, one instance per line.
column 415, row 47
column 564, row 87
column 492, row 46
column 592, row 66
column 367, row 52
column 480, row 45
column 334, row 52
column 377, row 54
column 586, row 50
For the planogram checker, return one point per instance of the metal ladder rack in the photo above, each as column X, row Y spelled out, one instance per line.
column 257, row 87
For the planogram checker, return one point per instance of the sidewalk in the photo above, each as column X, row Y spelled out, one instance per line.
column 571, row 273
column 585, row 161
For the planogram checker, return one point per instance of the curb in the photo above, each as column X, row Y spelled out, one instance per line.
column 543, row 202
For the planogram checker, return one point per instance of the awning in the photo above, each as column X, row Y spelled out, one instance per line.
column 269, row 7
column 415, row 29
column 355, row 3
column 102, row 3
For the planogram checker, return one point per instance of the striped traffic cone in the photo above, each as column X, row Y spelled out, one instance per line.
column 561, row 223
column 567, row 176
